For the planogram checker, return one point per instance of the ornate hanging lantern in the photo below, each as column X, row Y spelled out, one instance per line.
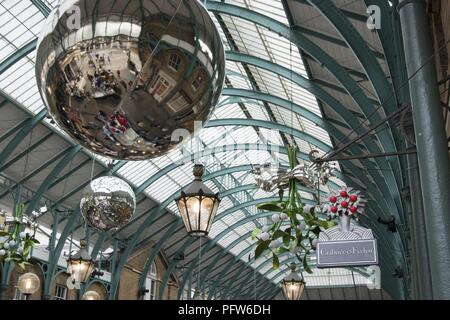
column 293, row 285
column 80, row 265
column 198, row 205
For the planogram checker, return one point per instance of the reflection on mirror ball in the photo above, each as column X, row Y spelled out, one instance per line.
column 108, row 203
column 121, row 76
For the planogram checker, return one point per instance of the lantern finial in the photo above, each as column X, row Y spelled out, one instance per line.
column 198, row 171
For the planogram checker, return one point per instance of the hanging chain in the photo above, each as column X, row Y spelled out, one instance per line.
column 199, row 263
column 291, row 98
column 92, row 168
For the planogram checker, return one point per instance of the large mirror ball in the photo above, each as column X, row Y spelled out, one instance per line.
column 127, row 78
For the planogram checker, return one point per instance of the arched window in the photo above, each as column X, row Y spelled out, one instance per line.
column 150, row 283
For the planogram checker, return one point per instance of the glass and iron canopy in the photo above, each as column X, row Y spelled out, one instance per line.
column 284, row 85
column 198, row 205
column 80, row 265
column 293, row 285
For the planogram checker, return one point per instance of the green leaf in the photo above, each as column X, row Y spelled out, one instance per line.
column 16, row 256
column 331, row 224
column 306, row 266
column 256, row 233
column 270, row 206
column 275, row 262
column 4, row 234
column 22, row 265
column 282, row 250
column 287, row 239
column 316, row 230
column 293, row 244
column 261, row 248
column 278, row 234
column 299, row 236
column 26, row 251
column 35, row 241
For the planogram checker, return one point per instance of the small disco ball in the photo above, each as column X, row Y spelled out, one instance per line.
column 107, row 203
column 127, row 79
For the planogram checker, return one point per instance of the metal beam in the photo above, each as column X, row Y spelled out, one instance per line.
column 154, row 253
column 26, row 129
column 25, row 152
column 349, row 14
column 212, row 150
column 43, row 8
column 17, row 55
column 56, row 253
column 272, row 126
column 172, row 265
column 50, row 177
column 38, row 170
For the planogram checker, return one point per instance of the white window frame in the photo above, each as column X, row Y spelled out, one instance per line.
column 64, row 291
column 162, row 79
column 174, row 61
column 150, row 283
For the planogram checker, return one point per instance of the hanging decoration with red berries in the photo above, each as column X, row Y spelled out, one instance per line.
column 355, row 244
column 347, row 201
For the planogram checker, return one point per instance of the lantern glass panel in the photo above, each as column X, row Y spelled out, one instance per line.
column 80, row 270
column 293, row 289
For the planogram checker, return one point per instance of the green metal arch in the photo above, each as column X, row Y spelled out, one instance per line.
column 213, row 150
column 155, row 251
column 269, row 125
column 360, row 49
column 172, row 265
column 50, row 178
column 306, row 84
column 55, row 254
column 26, row 129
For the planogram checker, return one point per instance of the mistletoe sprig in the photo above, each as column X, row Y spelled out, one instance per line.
column 16, row 244
column 295, row 227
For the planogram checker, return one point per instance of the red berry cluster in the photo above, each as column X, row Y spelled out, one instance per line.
column 346, row 202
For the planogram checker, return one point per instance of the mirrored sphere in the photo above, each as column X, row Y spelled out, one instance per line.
column 107, row 203
column 128, row 79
